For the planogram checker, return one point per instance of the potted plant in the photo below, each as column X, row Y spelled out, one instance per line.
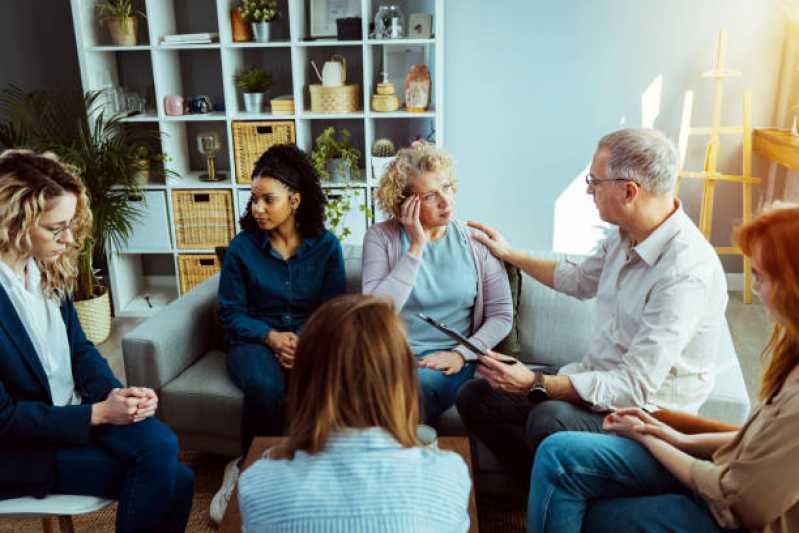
column 121, row 18
column 105, row 156
column 260, row 13
column 240, row 29
column 253, row 81
column 383, row 152
column 335, row 158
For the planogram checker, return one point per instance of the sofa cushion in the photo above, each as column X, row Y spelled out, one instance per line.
column 511, row 345
column 203, row 399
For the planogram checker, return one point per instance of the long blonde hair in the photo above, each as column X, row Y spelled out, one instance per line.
column 28, row 184
column 353, row 368
column 772, row 238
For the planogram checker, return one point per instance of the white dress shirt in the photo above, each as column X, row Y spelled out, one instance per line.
column 45, row 326
column 660, row 310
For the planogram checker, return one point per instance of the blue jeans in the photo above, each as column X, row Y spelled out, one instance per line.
column 599, row 482
column 137, row 465
column 437, row 392
column 254, row 369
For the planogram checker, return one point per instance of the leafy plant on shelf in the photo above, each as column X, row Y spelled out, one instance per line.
column 254, row 79
column 259, row 10
column 105, row 154
column 111, row 9
column 339, row 199
column 329, row 147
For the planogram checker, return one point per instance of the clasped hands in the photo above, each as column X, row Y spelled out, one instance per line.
column 283, row 345
column 638, row 425
column 125, row 406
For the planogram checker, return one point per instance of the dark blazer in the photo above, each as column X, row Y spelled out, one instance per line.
column 31, row 427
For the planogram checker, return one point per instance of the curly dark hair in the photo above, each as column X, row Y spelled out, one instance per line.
column 291, row 166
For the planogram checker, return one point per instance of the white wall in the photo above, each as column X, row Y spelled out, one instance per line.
column 532, row 85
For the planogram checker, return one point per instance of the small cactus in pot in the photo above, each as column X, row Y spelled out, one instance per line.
column 383, row 148
column 383, row 152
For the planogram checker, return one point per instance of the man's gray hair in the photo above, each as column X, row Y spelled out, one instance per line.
column 642, row 155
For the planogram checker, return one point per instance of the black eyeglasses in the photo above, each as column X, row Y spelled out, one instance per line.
column 57, row 233
column 591, row 181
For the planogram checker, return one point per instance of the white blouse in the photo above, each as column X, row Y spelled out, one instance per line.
column 45, row 326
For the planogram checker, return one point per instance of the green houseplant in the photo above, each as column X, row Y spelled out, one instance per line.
column 122, row 20
column 334, row 157
column 336, row 160
column 105, row 154
column 253, row 82
column 260, row 13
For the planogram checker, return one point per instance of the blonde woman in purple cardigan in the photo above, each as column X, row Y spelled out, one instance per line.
column 428, row 262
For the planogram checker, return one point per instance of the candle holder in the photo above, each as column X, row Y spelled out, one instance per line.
column 209, row 144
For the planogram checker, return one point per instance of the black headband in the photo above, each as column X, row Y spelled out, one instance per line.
column 275, row 164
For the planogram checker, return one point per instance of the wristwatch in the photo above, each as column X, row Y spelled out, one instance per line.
column 538, row 392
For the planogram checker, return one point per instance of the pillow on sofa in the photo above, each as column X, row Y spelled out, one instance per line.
column 511, row 345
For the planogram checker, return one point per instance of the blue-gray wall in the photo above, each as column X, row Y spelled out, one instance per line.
column 532, row 85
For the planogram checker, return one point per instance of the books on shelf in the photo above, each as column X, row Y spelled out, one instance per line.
column 179, row 39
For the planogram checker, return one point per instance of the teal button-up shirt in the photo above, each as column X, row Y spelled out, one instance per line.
column 260, row 291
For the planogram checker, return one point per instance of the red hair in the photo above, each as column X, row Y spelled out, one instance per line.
column 773, row 238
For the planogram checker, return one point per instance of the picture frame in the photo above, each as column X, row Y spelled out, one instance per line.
column 325, row 12
column 420, row 26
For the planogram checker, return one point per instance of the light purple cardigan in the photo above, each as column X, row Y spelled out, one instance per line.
column 389, row 272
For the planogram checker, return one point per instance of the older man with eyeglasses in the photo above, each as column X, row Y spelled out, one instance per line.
column 661, row 295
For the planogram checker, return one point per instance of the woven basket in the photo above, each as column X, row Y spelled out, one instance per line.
column 203, row 218
column 342, row 99
column 94, row 315
column 194, row 269
column 252, row 138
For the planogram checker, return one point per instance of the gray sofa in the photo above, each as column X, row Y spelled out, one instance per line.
column 177, row 352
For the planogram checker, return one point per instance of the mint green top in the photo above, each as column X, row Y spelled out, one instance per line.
column 445, row 289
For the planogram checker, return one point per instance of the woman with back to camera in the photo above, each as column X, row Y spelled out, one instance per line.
column 277, row 271
column 658, row 479
column 352, row 460
column 67, row 425
column 427, row 262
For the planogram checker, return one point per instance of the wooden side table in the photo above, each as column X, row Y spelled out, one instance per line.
column 780, row 146
column 231, row 522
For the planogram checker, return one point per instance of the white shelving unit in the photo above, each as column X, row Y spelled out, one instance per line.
column 144, row 276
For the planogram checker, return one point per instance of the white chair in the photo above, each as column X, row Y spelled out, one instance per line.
column 62, row 506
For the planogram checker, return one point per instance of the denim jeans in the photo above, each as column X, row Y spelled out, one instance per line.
column 255, row 370
column 136, row 464
column 437, row 392
column 513, row 427
column 599, row 482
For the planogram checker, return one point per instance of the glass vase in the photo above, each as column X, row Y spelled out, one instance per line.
column 389, row 23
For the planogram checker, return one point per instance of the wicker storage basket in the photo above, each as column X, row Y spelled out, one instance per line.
column 94, row 315
column 252, row 138
column 194, row 269
column 203, row 218
column 341, row 99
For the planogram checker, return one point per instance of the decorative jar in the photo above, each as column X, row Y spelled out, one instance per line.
column 389, row 23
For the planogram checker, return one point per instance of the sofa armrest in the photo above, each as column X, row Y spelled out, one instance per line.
column 170, row 341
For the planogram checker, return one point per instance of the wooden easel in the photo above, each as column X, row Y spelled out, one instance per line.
column 710, row 174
